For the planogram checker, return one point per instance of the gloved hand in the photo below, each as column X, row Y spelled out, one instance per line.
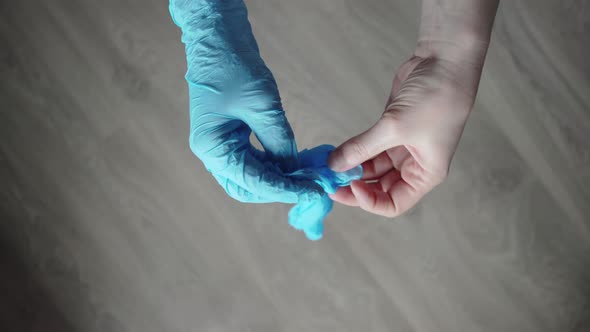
column 233, row 93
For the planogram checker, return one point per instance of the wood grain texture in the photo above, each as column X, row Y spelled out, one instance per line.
column 108, row 223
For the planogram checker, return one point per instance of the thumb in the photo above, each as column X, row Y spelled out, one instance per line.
column 365, row 146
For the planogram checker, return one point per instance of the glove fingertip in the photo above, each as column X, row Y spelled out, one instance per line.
column 313, row 236
column 315, row 231
column 295, row 219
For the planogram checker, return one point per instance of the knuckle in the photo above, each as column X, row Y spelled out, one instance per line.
column 217, row 152
column 392, row 114
column 394, row 210
column 392, row 120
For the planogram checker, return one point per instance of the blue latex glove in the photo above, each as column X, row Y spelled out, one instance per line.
column 308, row 216
column 233, row 93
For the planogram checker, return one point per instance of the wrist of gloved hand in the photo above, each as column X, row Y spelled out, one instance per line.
column 222, row 53
column 225, row 21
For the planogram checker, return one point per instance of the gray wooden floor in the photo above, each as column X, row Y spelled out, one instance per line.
column 108, row 223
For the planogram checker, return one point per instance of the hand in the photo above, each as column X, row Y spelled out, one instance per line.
column 232, row 93
column 409, row 150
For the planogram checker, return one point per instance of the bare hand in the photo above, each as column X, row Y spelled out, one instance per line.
column 409, row 150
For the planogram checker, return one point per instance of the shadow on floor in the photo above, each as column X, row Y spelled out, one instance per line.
column 25, row 306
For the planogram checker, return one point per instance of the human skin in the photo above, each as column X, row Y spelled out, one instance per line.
column 408, row 151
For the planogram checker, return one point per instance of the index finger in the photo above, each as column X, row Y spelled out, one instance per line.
column 392, row 198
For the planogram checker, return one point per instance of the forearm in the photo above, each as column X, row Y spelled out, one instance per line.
column 454, row 28
column 204, row 13
column 203, row 21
